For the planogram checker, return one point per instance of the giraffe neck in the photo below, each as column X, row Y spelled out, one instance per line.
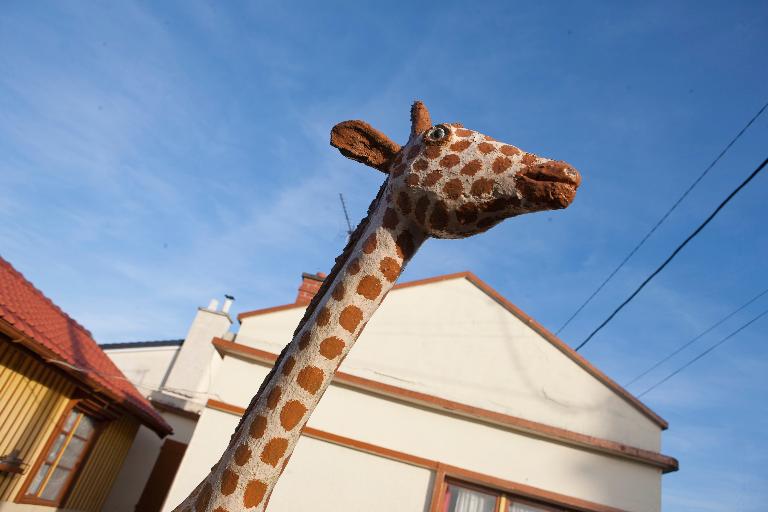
column 260, row 448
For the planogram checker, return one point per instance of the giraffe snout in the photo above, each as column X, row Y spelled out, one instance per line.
column 555, row 171
column 548, row 185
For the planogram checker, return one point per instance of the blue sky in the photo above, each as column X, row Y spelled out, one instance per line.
column 155, row 155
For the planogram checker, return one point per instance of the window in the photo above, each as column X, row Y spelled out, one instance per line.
column 59, row 462
column 462, row 497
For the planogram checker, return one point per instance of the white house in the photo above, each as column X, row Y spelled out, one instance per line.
column 452, row 400
column 176, row 376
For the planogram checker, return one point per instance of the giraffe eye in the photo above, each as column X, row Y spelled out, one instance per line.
column 437, row 133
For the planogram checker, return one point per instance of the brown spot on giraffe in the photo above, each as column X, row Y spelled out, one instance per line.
column 414, row 151
column 421, row 208
column 331, row 347
column 228, row 482
column 324, row 317
column 370, row 244
column 438, row 219
column 461, row 132
column 494, row 205
column 220, row 509
column 390, row 219
column 460, row 145
column 354, row 267
column 258, row 427
column 432, row 178
column 310, row 378
column 404, row 203
column 350, row 317
column 432, row 152
column 420, row 165
column 472, row 167
column 404, row 245
column 528, row 159
column 509, row 150
column 242, row 454
column 338, row 291
column 292, row 413
column 501, row 164
column 204, row 497
column 390, row 268
column 453, row 188
column 274, row 397
column 273, row 451
column 254, row 493
column 369, row 287
column 485, row 147
column 304, row 340
column 412, row 180
column 449, row 161
column 481, row 187
column 466, row 213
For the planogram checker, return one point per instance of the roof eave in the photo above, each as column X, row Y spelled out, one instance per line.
column 161, row 428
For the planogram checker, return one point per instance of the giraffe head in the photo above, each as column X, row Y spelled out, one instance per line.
column 454, row 182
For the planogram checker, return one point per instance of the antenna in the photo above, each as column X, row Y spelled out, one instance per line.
column 346, row 215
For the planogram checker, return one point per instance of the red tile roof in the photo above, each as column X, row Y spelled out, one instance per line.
column 58, row 338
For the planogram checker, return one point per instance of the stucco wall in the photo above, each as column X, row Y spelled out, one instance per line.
column 358, row 481
column 147, row 367
column 139, row 461
column 452, row 340
column 431, row 435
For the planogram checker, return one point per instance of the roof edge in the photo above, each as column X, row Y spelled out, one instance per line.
column 162, row 428
column 614, row 448
column 447, row 470
column 521, row 315
column 568, row 351
column 141, row 344
column 407, row 284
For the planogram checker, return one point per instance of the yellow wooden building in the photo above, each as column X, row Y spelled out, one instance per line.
column 67, row 414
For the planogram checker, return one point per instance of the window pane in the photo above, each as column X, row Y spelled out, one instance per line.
column 70, row 421
column 466, row 500
column 35, row 485
column 54, row 451
column 521, row 507
column 55, row 484
column 85, row 428
column 72, row 452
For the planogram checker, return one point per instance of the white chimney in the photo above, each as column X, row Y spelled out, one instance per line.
column 213, row 305
column 228, row 299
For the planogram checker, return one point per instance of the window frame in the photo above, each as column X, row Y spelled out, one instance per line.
column 23, row 496
column 503, row 496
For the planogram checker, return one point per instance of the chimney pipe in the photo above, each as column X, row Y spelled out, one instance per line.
column 227, row 303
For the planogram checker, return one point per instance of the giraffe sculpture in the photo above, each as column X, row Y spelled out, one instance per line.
column 446, row 182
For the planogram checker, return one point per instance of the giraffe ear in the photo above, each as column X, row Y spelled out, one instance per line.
column 361, row 142
column 420, row 120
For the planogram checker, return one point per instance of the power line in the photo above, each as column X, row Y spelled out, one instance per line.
column 689, row 343
column 675, row 252
column 710, row 349
column 662, row 219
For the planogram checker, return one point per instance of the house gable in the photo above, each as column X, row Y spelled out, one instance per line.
column 454, row 337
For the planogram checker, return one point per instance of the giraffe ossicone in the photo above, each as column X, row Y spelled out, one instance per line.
column 446, row 182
